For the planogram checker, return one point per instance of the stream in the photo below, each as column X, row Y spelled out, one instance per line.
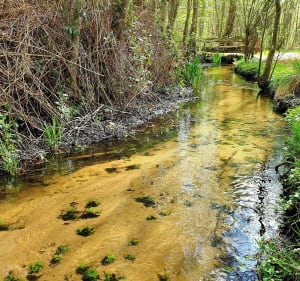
column 209, row 168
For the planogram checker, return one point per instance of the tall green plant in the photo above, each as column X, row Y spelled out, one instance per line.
column 53, row 134
column 190, row 74
column 216, row 59
column 8, row 140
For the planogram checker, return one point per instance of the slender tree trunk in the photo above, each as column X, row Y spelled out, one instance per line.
column 121, row 9
column 173, row 10
column 230, row 18
column 163, row 15
column 75, row 35
column 193, row 31
column 264, row 79
column 187, row 21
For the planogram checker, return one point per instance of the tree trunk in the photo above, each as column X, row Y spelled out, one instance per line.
column 193, row 31
column 75, row 35
column 163, row 15
column 119, row 22
column 173, row 10
column 187, row 21
column 264, row 79
column 230, row 19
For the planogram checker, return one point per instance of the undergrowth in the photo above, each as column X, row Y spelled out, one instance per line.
column 281, row 261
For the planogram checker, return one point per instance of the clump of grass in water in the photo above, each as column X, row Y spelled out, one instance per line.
column 108, row 259
column 113, row 277
column 70, row 214
column 133, row 242
column 129, row 257
column 82, row 268
column 92, row 204
column 85, row 231
column 151, row 218
column 91, row 275
column 164, row 277
column 91, row 213
column 35, row 267
column 11, row 277
column 148, row 201
column 4, row 226
column 216, row 59
column 61, row 249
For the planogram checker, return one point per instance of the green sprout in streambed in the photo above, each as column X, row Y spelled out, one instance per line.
column 3, row 226
column 91, row 213
column 35, row 267
column 164, row 277
column 82, row 268
column 69, row 214
column 148, row 201
column 133, row 242
column 12, row 277
column 108, row 259
column 61, row 249
column 92, row 204
column 85, row 231
column 129, row 257
column 113, row 277
column 91, row 275
column 151, row 218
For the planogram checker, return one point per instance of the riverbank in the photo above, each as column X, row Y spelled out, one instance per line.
column 104, row 123
column 284, row 85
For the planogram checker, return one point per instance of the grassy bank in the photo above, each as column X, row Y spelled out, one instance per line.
column 280, row 259
column 284, row 82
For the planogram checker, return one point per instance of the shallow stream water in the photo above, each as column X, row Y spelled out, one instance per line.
column 210, row 170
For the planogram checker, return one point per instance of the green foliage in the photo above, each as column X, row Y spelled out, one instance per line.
column 61, row 249
column 129, row 257
column 91, row 213
column 91, row 275
column 150, row 218
column 133, row 242
column 148, row 201
column 52, row 134
column 8, row 141
column 164, row 277
column 278, row 263
column 11, row 277
column 216, row 59
column 85, row 231
column 70, row 214
column 113, row 277
column 108, row 259
column 35, row 267
column 82, row 268
column 92, row 203
column 3, row 226
column 190, row 74
column 293, row 119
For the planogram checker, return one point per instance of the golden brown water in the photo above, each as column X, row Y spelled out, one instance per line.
column 204, row 180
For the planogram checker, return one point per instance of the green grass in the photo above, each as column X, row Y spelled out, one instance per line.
column 35, row 267
column 108, row 259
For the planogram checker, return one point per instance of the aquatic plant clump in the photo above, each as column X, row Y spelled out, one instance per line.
column 108, row 259
column 148, row 201
column 91, row 213
column 11, row 277
column 35, row 267
column 133, row 242
column 91, row 275
column 85, row 231
column 82, row 268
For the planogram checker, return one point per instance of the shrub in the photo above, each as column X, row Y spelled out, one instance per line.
column 35, row 267
column 85, row 231
column 91, row 275
column 110, row 258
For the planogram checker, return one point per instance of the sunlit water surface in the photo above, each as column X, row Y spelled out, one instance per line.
column 211, row 174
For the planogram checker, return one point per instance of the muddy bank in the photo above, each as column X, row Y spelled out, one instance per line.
column 107, row 123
